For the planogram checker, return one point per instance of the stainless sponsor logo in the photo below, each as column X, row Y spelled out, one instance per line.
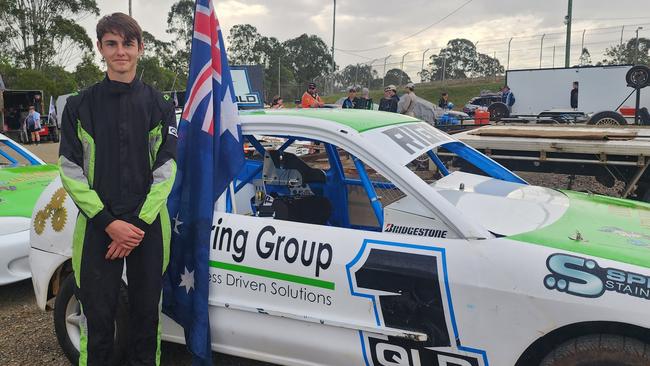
column 585, row 278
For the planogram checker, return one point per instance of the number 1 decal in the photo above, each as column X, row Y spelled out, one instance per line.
column 409, row 290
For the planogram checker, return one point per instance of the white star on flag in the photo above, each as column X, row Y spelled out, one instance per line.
column 229, row 115
column 177, row 223
column 187, row 280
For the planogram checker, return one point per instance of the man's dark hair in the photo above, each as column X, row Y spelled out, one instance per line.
column 122, row 24
column 444, row 93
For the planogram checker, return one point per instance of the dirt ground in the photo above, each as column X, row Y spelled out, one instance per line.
column 27, row 334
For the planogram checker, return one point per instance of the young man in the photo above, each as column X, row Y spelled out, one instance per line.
column 507, row 97
column 351, row 101
column 310, row 98
column 390, row 100
column 444, row 101
column 33, row 124
column 574, row 96
column 117, row 163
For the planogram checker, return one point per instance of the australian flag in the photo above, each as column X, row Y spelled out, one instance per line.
column 210, row 155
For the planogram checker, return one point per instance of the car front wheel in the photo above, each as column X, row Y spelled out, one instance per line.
column 68, row 318
column 599, row 350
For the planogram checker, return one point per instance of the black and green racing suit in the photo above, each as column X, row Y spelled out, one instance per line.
column 117, row 161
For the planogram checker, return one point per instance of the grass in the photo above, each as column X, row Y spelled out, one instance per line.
column 460, row 92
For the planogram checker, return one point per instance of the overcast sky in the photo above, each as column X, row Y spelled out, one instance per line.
column 365, row 24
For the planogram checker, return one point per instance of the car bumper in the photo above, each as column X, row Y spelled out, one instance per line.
column 44, row 265
column 14, row 262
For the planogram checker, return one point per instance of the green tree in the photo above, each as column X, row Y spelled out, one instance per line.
column 625, row 53
column 308, row 57
column 180, row 24
column 393, row 77
column 87, row 72
column 40, row 33
column 460, row 60
column 151, row 71
column 585, row 57
column 355, row 75
column 244, row 42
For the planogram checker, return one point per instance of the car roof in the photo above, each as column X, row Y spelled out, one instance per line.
column 359, row 120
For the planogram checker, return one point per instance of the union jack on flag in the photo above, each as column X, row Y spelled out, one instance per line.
column 210, row 155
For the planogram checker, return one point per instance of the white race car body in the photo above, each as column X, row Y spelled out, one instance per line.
column 23, row 176
column 468, row 270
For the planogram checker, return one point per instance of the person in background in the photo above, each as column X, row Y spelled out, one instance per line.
column 311, row 99
column 444, row 101
column 507, row 97
column 365, row 102
column 408, row 105
column 390, row 100
column 351, row 101
column 37, row 103
column 574, row 96
column 33, row 124
column 277, row 102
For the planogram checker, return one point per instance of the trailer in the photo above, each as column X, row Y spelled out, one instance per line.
column 614, row 153
column 543, row 96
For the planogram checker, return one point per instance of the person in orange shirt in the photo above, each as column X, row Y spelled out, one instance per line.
column 311, row 99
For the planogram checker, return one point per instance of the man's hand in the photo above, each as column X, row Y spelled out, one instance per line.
column 115, row 250
column 125, row 234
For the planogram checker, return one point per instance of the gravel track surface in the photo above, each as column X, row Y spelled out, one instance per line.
column 27, row 334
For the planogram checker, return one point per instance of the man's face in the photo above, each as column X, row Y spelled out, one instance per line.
column 387, row 93
column 312, row 89
column 121, row 56
column 352, row 94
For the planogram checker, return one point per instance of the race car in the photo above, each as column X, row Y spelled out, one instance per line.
column 381, row 252
column 23, row 177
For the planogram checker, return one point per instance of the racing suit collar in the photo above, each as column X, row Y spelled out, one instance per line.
column 118, row 87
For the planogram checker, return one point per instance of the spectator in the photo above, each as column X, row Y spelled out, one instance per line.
column 507, row 97
column 408, row 105
column 444, row 101
column 13, row 119
column 351, row 101
column 365, row 102
column 574, row 96
column 37, row 103
column 311, row 99
column 390, row 100
column 33, row 123
column 277, row 102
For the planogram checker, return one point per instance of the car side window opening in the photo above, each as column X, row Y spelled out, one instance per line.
column 304, row 180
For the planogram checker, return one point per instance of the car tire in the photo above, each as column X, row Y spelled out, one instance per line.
column 67, row 317
column 498, row 110
column 607, row 118
column 638, row 77
column 599, row 350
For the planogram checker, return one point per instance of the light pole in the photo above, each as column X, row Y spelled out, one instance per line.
column 401, row 68
column 567, row 53
column 541, row 47
column 636, row 48
column 356, row 76
column 622, row 30
column 582, row 44
column 553, row 56
column 130, row 14
column 422, row 68
column 279, row 60
column 508, row 64
column 383, row 78
column 333, row 34
column 370, row 71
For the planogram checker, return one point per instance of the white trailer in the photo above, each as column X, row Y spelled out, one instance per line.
column 602, row 88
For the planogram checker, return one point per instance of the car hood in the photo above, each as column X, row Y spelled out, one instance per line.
column 594, row 225
column 20, row 188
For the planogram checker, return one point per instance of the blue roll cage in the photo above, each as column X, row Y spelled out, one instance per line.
column 336, row 183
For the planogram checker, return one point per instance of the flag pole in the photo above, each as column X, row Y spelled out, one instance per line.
column 231, row 192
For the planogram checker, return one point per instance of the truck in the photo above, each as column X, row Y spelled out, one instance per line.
column 14, row 105
column 605, row 95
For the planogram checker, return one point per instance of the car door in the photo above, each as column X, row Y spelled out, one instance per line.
column 368, row 292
